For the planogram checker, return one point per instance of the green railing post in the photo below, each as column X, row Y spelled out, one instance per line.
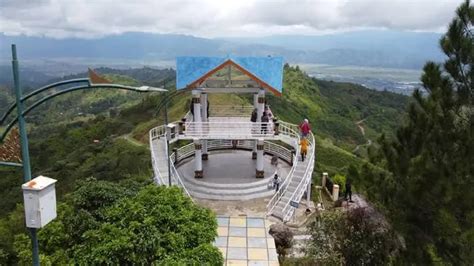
column 25, row 155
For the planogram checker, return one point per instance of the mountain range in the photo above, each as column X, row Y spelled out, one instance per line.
column 375, row 48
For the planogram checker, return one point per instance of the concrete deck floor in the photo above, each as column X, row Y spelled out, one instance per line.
column 233, row 167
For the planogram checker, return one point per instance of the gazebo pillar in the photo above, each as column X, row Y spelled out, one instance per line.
column 198, row 158
column 261, row 104
column 254, row 150
column 259, row 170
column 204, row 106
column 255, row 106
column 197, row 106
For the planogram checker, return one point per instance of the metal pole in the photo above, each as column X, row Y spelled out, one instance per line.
column 167, row 140
column 25, row 155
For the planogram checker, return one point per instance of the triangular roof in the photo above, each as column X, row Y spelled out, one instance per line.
column 267, row 72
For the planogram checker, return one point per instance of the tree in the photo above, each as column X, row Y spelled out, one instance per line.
column 429, row 163
column 355, row 237
column 151, row 225
column 157, row 224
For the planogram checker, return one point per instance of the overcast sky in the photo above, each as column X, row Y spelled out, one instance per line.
column 219, row 18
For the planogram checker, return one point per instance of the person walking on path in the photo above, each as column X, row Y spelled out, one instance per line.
column 348, row 190
column 264, row 123
column 304, row 148
column 305, row 128
column 276, row 182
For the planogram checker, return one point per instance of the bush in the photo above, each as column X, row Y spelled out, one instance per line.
column 350, row 238
column 341, row 181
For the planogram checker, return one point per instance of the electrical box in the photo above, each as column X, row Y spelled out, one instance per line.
column 39, row 195
column 170, row 131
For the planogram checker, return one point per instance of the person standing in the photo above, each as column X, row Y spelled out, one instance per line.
column 264, row 123
column 303, row 148
column 276, row 182
column 268, row 111
column 305, row 128
column 348, row 190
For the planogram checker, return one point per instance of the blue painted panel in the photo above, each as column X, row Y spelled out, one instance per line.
column 189, row 69
column 268, row 69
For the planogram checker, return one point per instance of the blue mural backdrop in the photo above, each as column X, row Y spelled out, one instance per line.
column 268, row 69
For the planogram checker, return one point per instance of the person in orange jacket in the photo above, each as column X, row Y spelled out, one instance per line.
column 304, row 148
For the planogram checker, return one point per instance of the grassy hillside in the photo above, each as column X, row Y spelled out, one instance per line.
column 333, row 109
column 65, row 128
column 103, row 133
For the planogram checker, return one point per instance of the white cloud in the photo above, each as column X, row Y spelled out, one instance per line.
column 95, row 18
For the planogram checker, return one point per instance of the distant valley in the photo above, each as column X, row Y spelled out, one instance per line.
column 381, row 60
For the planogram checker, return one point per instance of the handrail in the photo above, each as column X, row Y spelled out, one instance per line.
column 223, row 129
column 176, row 177
column 288, row 133
column 276, row 198
column 154, row 133
column 287, row 211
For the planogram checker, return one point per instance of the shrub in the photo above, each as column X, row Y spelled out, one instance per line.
column 341, row 181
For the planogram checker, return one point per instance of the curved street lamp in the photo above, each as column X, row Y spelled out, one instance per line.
column 19, row 101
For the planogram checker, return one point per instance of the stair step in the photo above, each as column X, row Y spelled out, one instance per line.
column 228, row 191
column 231, row 197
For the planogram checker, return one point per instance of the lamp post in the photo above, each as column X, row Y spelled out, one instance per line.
column 19, row 99
column 25, row 153
column 164, row 104
column 167, row 138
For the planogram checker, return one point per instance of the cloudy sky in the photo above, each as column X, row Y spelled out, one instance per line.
column 219, row 18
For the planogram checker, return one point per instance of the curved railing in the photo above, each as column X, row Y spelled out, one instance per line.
column 289, row 130
column 156, row 133
column 272, row 148
column 288, row 210
column 288, row 133
column 176, row 179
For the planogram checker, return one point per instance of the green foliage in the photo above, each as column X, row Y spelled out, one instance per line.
column 136, row 225
column 352, row 238
column 429, row 162
column 140, row 231
column 341, row 181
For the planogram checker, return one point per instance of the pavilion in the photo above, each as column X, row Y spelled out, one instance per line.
column 229, row 128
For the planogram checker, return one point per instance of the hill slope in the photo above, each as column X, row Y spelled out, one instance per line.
column 61, row 139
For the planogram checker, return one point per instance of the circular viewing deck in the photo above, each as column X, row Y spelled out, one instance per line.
column 230, row 172
column 230, row 175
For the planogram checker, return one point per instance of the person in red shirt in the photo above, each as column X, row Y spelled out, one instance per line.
column 305, row 128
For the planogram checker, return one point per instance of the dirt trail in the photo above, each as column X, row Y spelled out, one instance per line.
column 362, row 131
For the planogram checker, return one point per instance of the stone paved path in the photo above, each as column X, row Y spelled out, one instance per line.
column 245, row 241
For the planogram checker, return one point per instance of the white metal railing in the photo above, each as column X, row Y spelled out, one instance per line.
column 291, row 131
column 274, row 148
column 176, row 179
column 156, row 133
column 302, row 186
column 230, row 110
column 243, row 130
column 187, row 151
column 246, row 132
column 183, row 152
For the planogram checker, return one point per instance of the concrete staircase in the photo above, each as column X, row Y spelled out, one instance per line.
column 297, row 178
